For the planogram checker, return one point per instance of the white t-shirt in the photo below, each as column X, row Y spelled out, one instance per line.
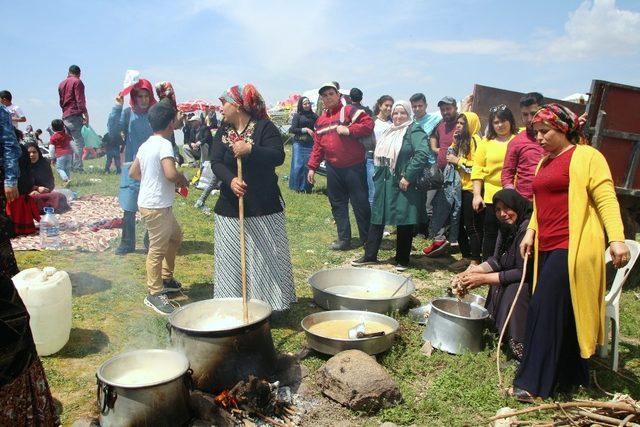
column 156, row 191
column 16, row 112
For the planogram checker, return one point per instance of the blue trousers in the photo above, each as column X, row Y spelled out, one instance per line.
column 298, row 174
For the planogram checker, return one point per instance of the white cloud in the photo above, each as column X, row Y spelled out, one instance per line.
column 598, row 28
column 466, row 47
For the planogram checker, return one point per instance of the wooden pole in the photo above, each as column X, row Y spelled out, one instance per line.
column 243, row 256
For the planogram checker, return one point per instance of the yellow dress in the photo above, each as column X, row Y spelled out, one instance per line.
column 593, row 207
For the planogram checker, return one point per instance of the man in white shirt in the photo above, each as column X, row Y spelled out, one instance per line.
column 17, row 116
column 155, row 168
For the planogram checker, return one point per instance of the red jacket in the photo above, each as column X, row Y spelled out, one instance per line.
column 62, row 142
column 520, row 163
column 338, row 150
column 72, row 100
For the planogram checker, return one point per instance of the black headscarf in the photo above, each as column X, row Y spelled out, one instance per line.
column 513, row 200
column 310, row 114
column 41, row 170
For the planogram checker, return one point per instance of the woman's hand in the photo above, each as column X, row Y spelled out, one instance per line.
column 472, row 280
column 478, row 203
column 42, row 189
column 238, row 187
column 620, row 254
column 527, row 243
column 452, row 158
column 404, row 184
column 119, row 100
column 241, row 148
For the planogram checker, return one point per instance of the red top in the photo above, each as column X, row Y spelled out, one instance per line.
column 520, row 163
column 72, row 100
column 551, row 191
column 62, row 142
column 444, row 132
column 338, row 150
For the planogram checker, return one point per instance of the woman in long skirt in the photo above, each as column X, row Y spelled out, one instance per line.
column 247, row 133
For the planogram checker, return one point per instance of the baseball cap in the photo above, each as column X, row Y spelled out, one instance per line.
column 447, row 100
column 327, row 85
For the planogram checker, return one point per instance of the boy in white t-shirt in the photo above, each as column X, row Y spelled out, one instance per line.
column 155, row 168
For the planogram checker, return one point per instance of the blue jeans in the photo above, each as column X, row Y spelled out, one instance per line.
column 63, row 166
column 74, row 128
column 298, row 174
column 112, row 154
column 372, row 189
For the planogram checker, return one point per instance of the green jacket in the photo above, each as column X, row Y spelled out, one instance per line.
column 391, row 206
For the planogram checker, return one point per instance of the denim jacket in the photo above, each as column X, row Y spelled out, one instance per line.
column 9, row 149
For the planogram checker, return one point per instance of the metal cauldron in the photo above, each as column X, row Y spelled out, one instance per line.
column 220, row 357
column 455, row 326
column 362, row 289
column 373, row 345
column 144, row 388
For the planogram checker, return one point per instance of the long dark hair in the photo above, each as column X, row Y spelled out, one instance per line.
column 503, row 113
column 379, row 102
column 464, row 141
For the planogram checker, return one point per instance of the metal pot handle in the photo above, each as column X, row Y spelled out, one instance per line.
column 188, row 379
column 109, row 396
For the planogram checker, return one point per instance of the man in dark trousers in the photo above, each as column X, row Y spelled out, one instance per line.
column 74, row 112
column 337, row 142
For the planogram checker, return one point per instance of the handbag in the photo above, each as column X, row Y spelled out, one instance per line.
column 430, row 178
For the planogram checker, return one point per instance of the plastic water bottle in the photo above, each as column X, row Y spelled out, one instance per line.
column 49, row 230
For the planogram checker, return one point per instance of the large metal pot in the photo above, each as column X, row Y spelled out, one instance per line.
column 144, row 388
column 373, row 345
column 222, row 356
column 364, row 289
column 455, row 326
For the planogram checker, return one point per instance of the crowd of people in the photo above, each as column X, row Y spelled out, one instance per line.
column 506, row 194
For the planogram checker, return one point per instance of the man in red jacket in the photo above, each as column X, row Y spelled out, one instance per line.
column 336, row 136
column 74, row 112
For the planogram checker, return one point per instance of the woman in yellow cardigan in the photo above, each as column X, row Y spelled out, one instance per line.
column 574, row 202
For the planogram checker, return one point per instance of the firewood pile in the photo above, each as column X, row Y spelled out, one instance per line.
column 622, row 410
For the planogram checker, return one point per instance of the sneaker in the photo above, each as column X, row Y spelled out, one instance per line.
column 363, row 261
column 206, row 210
column 160, row 303
column 436, row 248
column 401, row 267
column 340, row 246
column 171, row 285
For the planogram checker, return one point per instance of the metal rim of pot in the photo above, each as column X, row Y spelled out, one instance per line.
column 184, row 369
column 396, row 324
column 483, row 310
column 409, row 285
column 218, row 332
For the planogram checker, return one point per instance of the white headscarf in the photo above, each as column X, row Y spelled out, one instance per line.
column 390, row 143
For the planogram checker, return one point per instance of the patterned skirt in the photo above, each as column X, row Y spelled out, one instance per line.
column 269, row 271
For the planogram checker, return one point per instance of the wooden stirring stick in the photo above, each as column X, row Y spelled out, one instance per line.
column 243, row 257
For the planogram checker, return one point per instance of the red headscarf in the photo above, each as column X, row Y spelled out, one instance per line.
column 141, row 84
column 165, row 90
column 248, row 98
column 561, row 119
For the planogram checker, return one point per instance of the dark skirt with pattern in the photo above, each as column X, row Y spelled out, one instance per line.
column 269, row 271
column 25, row 399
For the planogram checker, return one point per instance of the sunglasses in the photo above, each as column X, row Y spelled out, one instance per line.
column 497, row 108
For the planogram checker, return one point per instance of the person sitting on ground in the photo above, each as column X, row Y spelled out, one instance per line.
column 302, row 125
column 487, row 169
column 524, row 152
column 61, row 142
column 155, row 168
column 503, row 271
column 43, row 182
column 197, row 136
column 133, row 122
column 344, row 155
column 23, row 210
column 400, row 155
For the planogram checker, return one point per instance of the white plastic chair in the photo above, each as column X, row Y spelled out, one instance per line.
column 612, row 303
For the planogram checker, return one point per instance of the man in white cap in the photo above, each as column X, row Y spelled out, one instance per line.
column 336, row 140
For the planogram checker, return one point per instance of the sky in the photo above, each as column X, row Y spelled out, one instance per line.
column 383, row 47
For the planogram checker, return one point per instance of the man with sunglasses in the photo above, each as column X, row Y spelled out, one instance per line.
column 524, row 152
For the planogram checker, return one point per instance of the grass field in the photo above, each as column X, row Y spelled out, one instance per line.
column 443, row 390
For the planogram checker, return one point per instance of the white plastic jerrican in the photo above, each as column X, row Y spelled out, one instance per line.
column 47, row 295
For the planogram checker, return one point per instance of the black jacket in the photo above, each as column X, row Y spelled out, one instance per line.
column 300, row 121
column 259, row 172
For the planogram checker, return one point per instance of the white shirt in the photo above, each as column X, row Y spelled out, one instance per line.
column 380, row 127
column 16, row 113
column 156, row 191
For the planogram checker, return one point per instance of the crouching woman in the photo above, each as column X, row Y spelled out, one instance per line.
column 503, row 271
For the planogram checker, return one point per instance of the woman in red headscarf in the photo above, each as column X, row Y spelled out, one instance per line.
column 574, row 203
column 247, row 133
column 133, row 124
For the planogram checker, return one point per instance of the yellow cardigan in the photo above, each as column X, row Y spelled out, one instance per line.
column 593, row 207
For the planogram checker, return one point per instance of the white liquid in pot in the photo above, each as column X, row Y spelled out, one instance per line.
column 214, row 322
column 363, row 292
column 142, row 376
